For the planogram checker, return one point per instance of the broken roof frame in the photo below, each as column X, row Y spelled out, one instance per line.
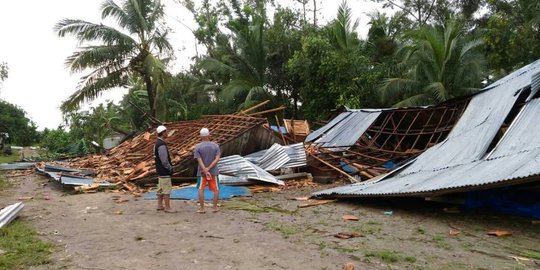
column 394, row 137
column 463, row 162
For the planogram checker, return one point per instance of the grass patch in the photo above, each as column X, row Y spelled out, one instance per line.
column 252, row 207
column 4, row 183
column 11, row 158
column 531, row 254
column 440, row 242
column 285, row 229
column 22, row 247
column 389, row 256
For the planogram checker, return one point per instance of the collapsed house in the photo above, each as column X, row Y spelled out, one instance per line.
column 133, row 160
column 490, row 142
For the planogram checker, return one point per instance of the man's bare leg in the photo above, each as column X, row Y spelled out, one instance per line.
column 159, row 202
column 215, row 201
column 201, row 200
column 167, row 199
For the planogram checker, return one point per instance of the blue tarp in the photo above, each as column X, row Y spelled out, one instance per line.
column 191, row 193
column 515, row 200
column 283, row 130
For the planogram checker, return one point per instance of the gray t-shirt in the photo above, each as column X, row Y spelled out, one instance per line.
column 207, row 152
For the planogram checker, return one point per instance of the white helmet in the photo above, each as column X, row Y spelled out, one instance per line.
column 161, row 129
column 205, row 132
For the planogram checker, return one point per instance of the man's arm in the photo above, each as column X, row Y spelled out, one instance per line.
column 162, row 151
column 214, row 162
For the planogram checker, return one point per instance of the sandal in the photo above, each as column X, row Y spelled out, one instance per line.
column 170, row 211
column 201, row 211
column 214, row 210
column 160, row 209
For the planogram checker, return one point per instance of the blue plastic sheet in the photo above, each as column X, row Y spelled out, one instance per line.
column 516, row 201
column 191, row 193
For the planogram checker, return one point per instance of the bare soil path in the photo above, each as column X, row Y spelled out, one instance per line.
column 91, row 231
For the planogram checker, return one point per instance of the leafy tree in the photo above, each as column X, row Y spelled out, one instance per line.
column 439, row 63
column 511, row 32
column 136, row 47
column 13, row 120
column 3, row 71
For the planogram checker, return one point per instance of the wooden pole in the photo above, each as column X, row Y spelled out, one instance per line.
column 352, row 179
column 254, row 107
column 279, row 130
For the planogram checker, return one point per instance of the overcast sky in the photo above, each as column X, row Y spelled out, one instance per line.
column 38, row 80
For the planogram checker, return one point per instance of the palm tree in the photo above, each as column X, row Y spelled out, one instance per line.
column 439, row 63
column 343, row 28
column 134, row 48
column 244, row 61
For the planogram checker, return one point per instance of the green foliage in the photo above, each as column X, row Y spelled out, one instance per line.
column 13, row 120
column 22, row 246
column 3, row 71
column 438, row 64
column 136, row 47
column 510, row 32
column 56, row 141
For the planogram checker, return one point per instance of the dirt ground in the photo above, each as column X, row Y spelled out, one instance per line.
column 91, row 231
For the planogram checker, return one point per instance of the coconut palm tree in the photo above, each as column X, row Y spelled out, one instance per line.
column 243, row 61
column 136, row 47
column 439, row 63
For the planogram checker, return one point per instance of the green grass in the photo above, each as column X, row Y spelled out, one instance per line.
column 4, row 183
column 252, row 207
column 531, row 254
column 389, row 256
column 286, row 230
column 11, row 158
column 22, row 247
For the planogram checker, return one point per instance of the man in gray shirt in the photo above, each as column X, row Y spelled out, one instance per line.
column 207, row 154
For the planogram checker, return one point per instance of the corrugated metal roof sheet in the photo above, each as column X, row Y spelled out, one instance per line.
column 10, row 212
column 459, row 163
column 17, row 166
column 344, row 130
column 319, row 132
column 273, row 158
column 473, row 133
column 239, row 166
column 296, row 155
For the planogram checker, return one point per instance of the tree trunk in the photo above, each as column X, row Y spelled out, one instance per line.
column 315, row 13
column 151, row 94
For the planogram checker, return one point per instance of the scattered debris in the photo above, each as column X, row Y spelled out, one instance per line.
column 133, row 159
column 315, row 203
column 345, row 235
column 10, row 212
column 303, row 198
column 499, row 233
column 537, row 222
column 24, row 198
column 388, row 213
column 350, row 218
column 348, row 266
column 454, row 232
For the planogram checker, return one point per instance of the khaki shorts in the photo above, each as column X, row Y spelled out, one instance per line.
column 164, row 186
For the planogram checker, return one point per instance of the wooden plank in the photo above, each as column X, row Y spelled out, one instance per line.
column 320, row 202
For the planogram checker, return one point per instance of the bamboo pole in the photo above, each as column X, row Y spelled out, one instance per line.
column 269, row 111
column 254, row 107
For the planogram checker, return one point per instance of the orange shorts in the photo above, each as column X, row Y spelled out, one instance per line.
column 213, row 184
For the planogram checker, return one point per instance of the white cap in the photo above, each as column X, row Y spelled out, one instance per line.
column 161, row 129
column 205, row 132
